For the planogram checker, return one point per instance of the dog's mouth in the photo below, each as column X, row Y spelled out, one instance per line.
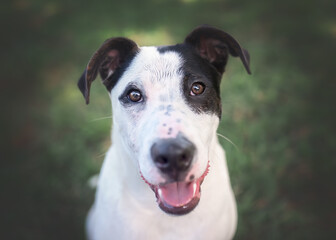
column 178, row 198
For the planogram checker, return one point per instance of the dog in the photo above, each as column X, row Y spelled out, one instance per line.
column 166, row 110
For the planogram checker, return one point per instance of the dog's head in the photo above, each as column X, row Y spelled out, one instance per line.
column 166, row 107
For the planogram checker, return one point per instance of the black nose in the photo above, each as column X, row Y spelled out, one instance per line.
column 173, row 155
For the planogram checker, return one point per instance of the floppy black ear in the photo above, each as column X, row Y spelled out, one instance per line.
column 106, row 60
column 215, row 45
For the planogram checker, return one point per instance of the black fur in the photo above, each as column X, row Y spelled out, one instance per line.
column 113, row 79
column 197, row 69
column 114, row 55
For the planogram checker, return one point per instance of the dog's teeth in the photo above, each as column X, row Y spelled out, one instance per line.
column 194, row 188
column 159, row 192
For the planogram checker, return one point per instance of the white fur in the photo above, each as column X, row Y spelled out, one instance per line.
column 125, row 207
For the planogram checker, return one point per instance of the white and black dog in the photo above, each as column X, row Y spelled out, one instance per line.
column 166, row 109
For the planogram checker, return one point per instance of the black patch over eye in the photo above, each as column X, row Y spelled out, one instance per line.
column 197, row 88
column 134, row 95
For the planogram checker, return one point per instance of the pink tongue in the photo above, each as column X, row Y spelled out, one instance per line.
column 177, row 194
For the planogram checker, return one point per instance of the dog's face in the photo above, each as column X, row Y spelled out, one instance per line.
column 156, row 107
column 166, row 108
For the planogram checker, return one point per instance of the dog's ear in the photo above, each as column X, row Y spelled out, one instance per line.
column 106, row 60
column 215, row 45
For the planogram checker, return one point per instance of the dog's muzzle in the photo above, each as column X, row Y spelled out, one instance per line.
column 173, row 157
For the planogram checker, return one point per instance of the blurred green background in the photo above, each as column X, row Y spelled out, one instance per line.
column 282, row 118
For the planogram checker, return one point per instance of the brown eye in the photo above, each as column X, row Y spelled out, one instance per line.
column 197, row 89
column 134, row 95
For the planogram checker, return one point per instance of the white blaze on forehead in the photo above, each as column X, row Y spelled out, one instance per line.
column 159, row 65
column 152, row 69
column 162, row 79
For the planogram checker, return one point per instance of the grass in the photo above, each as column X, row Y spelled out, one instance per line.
column 281, row 118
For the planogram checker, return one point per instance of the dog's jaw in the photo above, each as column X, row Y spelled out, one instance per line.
column 178, row 198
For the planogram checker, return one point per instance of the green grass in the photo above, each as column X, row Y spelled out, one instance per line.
column 281, row 118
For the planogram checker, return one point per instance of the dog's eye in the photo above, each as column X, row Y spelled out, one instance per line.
column 134, row 95
column 197, row 89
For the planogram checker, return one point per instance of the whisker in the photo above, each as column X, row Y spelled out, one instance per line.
column 102, row 118
column 227, row 139
column 101, row 155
